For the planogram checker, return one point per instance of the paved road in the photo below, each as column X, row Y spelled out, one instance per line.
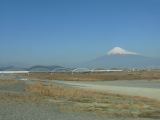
column 145, row 88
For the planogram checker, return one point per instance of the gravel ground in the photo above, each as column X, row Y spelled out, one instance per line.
column 12, row 109
column 45, row 111
column 18, row 87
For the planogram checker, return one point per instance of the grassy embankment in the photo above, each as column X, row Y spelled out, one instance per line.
column 112, row 105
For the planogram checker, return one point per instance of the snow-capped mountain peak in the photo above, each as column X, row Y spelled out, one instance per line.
column 120, row 51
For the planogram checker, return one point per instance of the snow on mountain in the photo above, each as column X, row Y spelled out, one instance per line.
column 120, row 51
column 121, row 58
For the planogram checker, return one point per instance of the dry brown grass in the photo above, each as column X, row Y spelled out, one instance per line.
column 98, row 102
column 61, row 91
column 8, row 82
column 97, row 76
column 75, row 99
column 9, row 97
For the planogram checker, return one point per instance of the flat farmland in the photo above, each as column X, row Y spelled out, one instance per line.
column 124, row 75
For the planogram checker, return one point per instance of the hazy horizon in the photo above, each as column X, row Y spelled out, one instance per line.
column 64, row 32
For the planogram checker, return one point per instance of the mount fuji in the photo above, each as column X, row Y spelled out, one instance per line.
column 121, row 58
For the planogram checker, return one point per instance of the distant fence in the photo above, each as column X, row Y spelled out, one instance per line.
column 81, row 70
column 84, row 70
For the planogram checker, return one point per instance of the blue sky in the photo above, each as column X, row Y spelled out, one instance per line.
column 71, row 31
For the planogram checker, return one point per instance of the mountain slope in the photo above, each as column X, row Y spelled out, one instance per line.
column 12, row 68
column 124, row 61
column 37, row 68
column 121, row 58
column 44, row 68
